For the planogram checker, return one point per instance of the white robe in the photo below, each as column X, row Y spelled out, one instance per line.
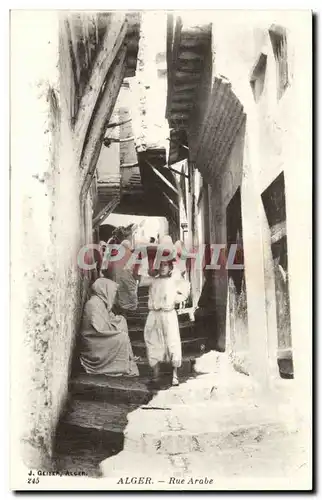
column 161, row 332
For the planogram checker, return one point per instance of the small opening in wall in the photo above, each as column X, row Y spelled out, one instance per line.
column 279, row 43
column 257, row 80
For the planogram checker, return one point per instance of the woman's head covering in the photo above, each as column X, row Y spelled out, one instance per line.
column 106, row 290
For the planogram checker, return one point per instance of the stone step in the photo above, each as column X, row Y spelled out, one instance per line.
column 99, row 416
column 139, row 316
column 194, row 345
column 275, row 457
column 143, row 309
column 136, row 390
column 136, row 329
column 91, row 425
column 143, row 297
column 202, row 426
column 163, row 432
column 186, row 368
column 172, row 429
column 140, row 319
column 211, row 425
column 112, row 389
column 143, row 294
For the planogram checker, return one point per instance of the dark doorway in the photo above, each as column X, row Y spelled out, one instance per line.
column 237, row 294
column 274, row 204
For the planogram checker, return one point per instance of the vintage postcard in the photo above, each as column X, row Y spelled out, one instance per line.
column 161, row 250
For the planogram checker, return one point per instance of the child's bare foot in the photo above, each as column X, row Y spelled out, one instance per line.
column 175, row 380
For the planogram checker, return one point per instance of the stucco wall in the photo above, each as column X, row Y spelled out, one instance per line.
column 46, row 232
column 276, row 139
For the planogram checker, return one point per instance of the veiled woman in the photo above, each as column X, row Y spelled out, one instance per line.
column 105, row 344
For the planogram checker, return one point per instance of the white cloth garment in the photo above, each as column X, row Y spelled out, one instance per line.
column 161, row 332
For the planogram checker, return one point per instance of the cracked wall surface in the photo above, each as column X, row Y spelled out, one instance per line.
column 46, row 232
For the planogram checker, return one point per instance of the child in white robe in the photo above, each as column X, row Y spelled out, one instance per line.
column 161, row 332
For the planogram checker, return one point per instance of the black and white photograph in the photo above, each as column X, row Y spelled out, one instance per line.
column 161, row 178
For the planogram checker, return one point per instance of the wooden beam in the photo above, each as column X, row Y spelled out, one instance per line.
column 170, row 201
column 129, row 165
column 164, row 179
column 223, row 155
column 106, row 211
column 113, row 40
column 278, row 231
column 112, row 125
column 100, row 120
column 169, row 60
column 177, row 172
column 176, row 141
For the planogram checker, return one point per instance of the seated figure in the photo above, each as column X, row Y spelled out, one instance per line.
column 105, row 343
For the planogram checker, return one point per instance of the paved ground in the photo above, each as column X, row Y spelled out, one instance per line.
column 218, row 425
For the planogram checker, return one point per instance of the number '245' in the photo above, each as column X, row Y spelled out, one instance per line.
column 34, row 480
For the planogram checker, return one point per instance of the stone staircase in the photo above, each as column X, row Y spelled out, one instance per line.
column 214, row 424
column 96, row 412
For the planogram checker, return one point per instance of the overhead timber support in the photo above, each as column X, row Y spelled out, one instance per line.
column 100, row 119
column 115, row 61
column 187, row 51
column 105, row 212
column 112, row 42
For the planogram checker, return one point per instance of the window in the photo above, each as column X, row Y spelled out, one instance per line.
column 257, row 79
column 279, row 43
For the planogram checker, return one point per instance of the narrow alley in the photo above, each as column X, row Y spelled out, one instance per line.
column 154, row 127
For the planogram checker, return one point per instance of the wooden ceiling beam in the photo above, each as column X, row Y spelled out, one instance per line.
column 111, row 44
column 109, row 207
column 100, row 121
column 164, row 179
